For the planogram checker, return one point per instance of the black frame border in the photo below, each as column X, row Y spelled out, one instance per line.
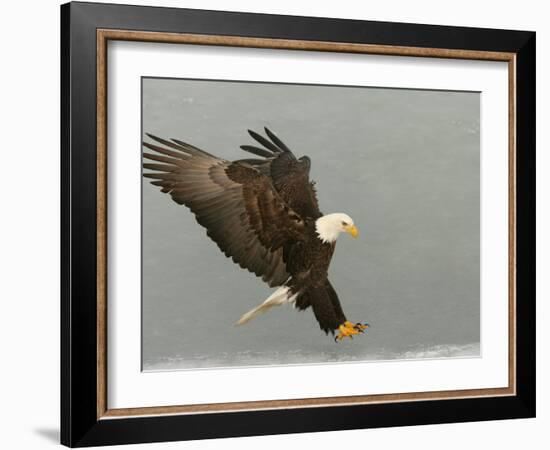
column 79, row 423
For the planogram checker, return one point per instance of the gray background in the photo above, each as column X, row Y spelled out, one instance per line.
column 403, row 163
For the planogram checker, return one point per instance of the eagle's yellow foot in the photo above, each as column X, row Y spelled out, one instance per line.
column 348, row 329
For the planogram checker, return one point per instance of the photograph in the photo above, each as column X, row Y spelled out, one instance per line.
column 288, row 221
column 288, row 224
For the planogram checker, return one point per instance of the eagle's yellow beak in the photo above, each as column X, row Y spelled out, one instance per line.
column 352, row 229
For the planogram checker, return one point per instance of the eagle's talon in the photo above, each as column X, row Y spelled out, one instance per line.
column 348, row 329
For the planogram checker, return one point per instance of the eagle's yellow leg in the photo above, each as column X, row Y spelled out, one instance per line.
column 348, row 329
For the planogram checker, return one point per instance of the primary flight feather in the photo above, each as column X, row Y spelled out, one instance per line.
column 262, row 213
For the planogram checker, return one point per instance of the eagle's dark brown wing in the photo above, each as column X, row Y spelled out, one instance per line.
column 290, row 176
column 241, row 211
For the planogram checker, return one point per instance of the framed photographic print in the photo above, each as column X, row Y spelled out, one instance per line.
column 276, row 224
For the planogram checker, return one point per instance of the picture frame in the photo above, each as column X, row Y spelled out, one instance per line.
column 86, row 30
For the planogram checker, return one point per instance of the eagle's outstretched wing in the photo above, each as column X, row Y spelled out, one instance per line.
column 289, row 175
column 237, row 204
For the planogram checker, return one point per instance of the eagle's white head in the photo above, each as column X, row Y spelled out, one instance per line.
column 330, row 226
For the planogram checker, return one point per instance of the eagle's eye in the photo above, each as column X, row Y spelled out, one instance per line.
column 345, row 224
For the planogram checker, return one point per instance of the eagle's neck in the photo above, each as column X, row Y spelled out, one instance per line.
column 327, row 229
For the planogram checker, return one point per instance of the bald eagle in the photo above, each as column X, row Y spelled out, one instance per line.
column 262, row 213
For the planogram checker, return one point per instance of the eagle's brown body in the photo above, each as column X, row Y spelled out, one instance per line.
column 260, row 212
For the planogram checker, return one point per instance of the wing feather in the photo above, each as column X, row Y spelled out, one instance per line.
column 269, row 145
column 280, row 144
column 257, row 151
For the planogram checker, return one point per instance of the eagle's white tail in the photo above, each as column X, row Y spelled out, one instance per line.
column 279, row 297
